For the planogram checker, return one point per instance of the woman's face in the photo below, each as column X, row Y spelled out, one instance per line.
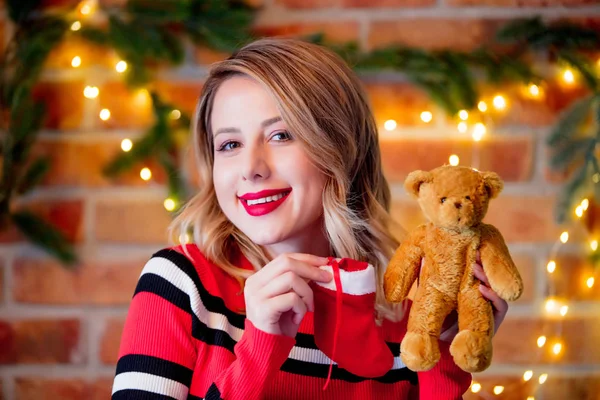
column 264, row 181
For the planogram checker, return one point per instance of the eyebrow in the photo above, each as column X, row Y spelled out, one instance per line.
column 264, row 124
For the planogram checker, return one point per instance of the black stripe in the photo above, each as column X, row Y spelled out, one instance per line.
column 192, row 397
column 155, row 366
column 322, row 370
column 134, row 394
column 152, row 283
column 213, row 393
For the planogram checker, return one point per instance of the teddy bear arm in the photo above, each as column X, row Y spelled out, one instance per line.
column 498, row 265
column 403, row 268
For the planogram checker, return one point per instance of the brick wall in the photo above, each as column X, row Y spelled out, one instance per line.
column 60, row 329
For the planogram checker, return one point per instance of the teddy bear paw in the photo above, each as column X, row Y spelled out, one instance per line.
column 511, row 291
column 472, row 351
column 419, row 352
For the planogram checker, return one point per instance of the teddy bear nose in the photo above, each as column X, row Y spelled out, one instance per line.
column 458, row 205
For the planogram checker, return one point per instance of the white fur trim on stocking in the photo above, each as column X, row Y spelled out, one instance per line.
column 354, row 282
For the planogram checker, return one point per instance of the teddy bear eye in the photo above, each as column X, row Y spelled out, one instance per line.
column 443, row 199
column 468, row 197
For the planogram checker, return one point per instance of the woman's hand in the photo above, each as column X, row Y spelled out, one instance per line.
column 278, row 296
column 499, row 306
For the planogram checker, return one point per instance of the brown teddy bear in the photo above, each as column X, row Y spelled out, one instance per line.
column 455, row 200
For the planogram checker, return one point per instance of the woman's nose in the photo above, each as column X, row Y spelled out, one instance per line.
column 256, row 164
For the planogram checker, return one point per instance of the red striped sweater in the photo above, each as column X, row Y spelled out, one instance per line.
column 184, row 338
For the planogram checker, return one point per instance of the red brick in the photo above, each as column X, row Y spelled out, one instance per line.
column 1, row 390
column 333, row 31
column 65, row 215
column 457, row 34
column 387, row 3
column 65, row 389
column 48, row 282
column 91, row 55
column 519, row 219
column 521, row 3
column 510, row 157
column 59, row 3
column 80, row 163
column 40, row 342
column 569, row 278
column 577, row 336
column 206, row 56
column 111, row 340
column 2, row 284
column 64, row 103
column 183, row 95
column 127, row 221
column 400, row 102
column 129, row 108
column 308, row 4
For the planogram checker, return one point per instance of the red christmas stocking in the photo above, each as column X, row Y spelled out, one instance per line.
column 345, row 328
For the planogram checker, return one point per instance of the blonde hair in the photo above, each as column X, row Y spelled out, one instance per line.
column 325, row 107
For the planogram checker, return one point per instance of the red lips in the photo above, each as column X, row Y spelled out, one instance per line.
column 257, row 210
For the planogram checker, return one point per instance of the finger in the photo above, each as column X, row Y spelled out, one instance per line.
column 478, row 257
column 285, row 264
column 499, row 304
column 286, row 283
column 479, row 273
column 317, row 261
column 276, row 306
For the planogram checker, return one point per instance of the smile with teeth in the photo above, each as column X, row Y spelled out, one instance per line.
column 267, row 199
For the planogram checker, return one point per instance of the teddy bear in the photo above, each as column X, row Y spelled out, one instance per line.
column 439, row 255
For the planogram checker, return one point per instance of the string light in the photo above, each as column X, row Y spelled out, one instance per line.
column 91, row 92
column 556, row 349
column 426, row 116
column 121, row 67
column 475, row 387
column 105, row 114
column 87, row 7
column 498, row 389
column 534, row 90
column 454, row 160
column 596, row 178
column 585, row 203
column 499, row 102
column 462, row 127
column 568, row 76
column 551, row 267
column 541, row 341
column 482, row 106
column 530, row 398
column 146, row 174
column 563, row 310
column 126, row 145
column 75, row 26
column 543, row 378
column 463, row 114
column 390, row 125
column 169, row 204
column 478, row 131
column 590, row 282
column 594, row 245
column 527, row 375
column 550, row 305
column 564, row 237
column 176, row 114
column 579, row 211
column 76, row 62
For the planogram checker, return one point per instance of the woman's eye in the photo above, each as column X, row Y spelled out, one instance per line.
column 282, row 136
column 443, row 199
column 230, row 145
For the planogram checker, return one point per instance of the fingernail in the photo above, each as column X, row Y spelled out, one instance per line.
column 326, row 275
column 483, row 288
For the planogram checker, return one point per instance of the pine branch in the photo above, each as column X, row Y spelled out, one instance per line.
column 570, row 121
column 566, row 198
column 571, row 152
column 20, row 10
column 34, row 175
column 584, row 66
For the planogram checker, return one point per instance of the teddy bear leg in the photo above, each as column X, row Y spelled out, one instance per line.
column 419, row 349
column 472, row 346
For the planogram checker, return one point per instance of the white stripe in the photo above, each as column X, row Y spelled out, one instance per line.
column 354, row 282
column 173, row 274
column 149, row 383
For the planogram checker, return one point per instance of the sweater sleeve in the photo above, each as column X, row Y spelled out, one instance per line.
column 259, row 355
column 445, row 381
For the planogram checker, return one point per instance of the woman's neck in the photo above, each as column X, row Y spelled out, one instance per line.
column 313, row 242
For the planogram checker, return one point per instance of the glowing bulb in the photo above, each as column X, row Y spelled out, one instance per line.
column 76, row 62
column 462, row 127
column 169, row 204
column 76, row 26
column 187, row 238
column 498, row 390
column 87, row 7
column 91, row 92
column 454, row 160
column 105, row 114
column 551, row 267
column 478, row 131
column 426, row 116
column 594, row 245
column 568, row 76
column 563, row 310
column 475, row 387
column 579, row 211
column 550, row 305
column 596, row 178
column 534, row 90
column 175, row 114
column 146, row 174
column 121, row 67
column 543, row 378
column 126, row 145
column 590, row 282
column 482, row 106
column 463, row 114
column 557, row 348
column 390, row 125
column 564, row 237
column 585, row 203
column 530, row 398
column 541, row 341
column 499, row 102
column 527, row 375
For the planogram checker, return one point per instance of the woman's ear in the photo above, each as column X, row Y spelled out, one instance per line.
column 415, row 179
column 493, row 184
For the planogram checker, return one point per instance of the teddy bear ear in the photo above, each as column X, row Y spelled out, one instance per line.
column 493, row 183
column 415, row 179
